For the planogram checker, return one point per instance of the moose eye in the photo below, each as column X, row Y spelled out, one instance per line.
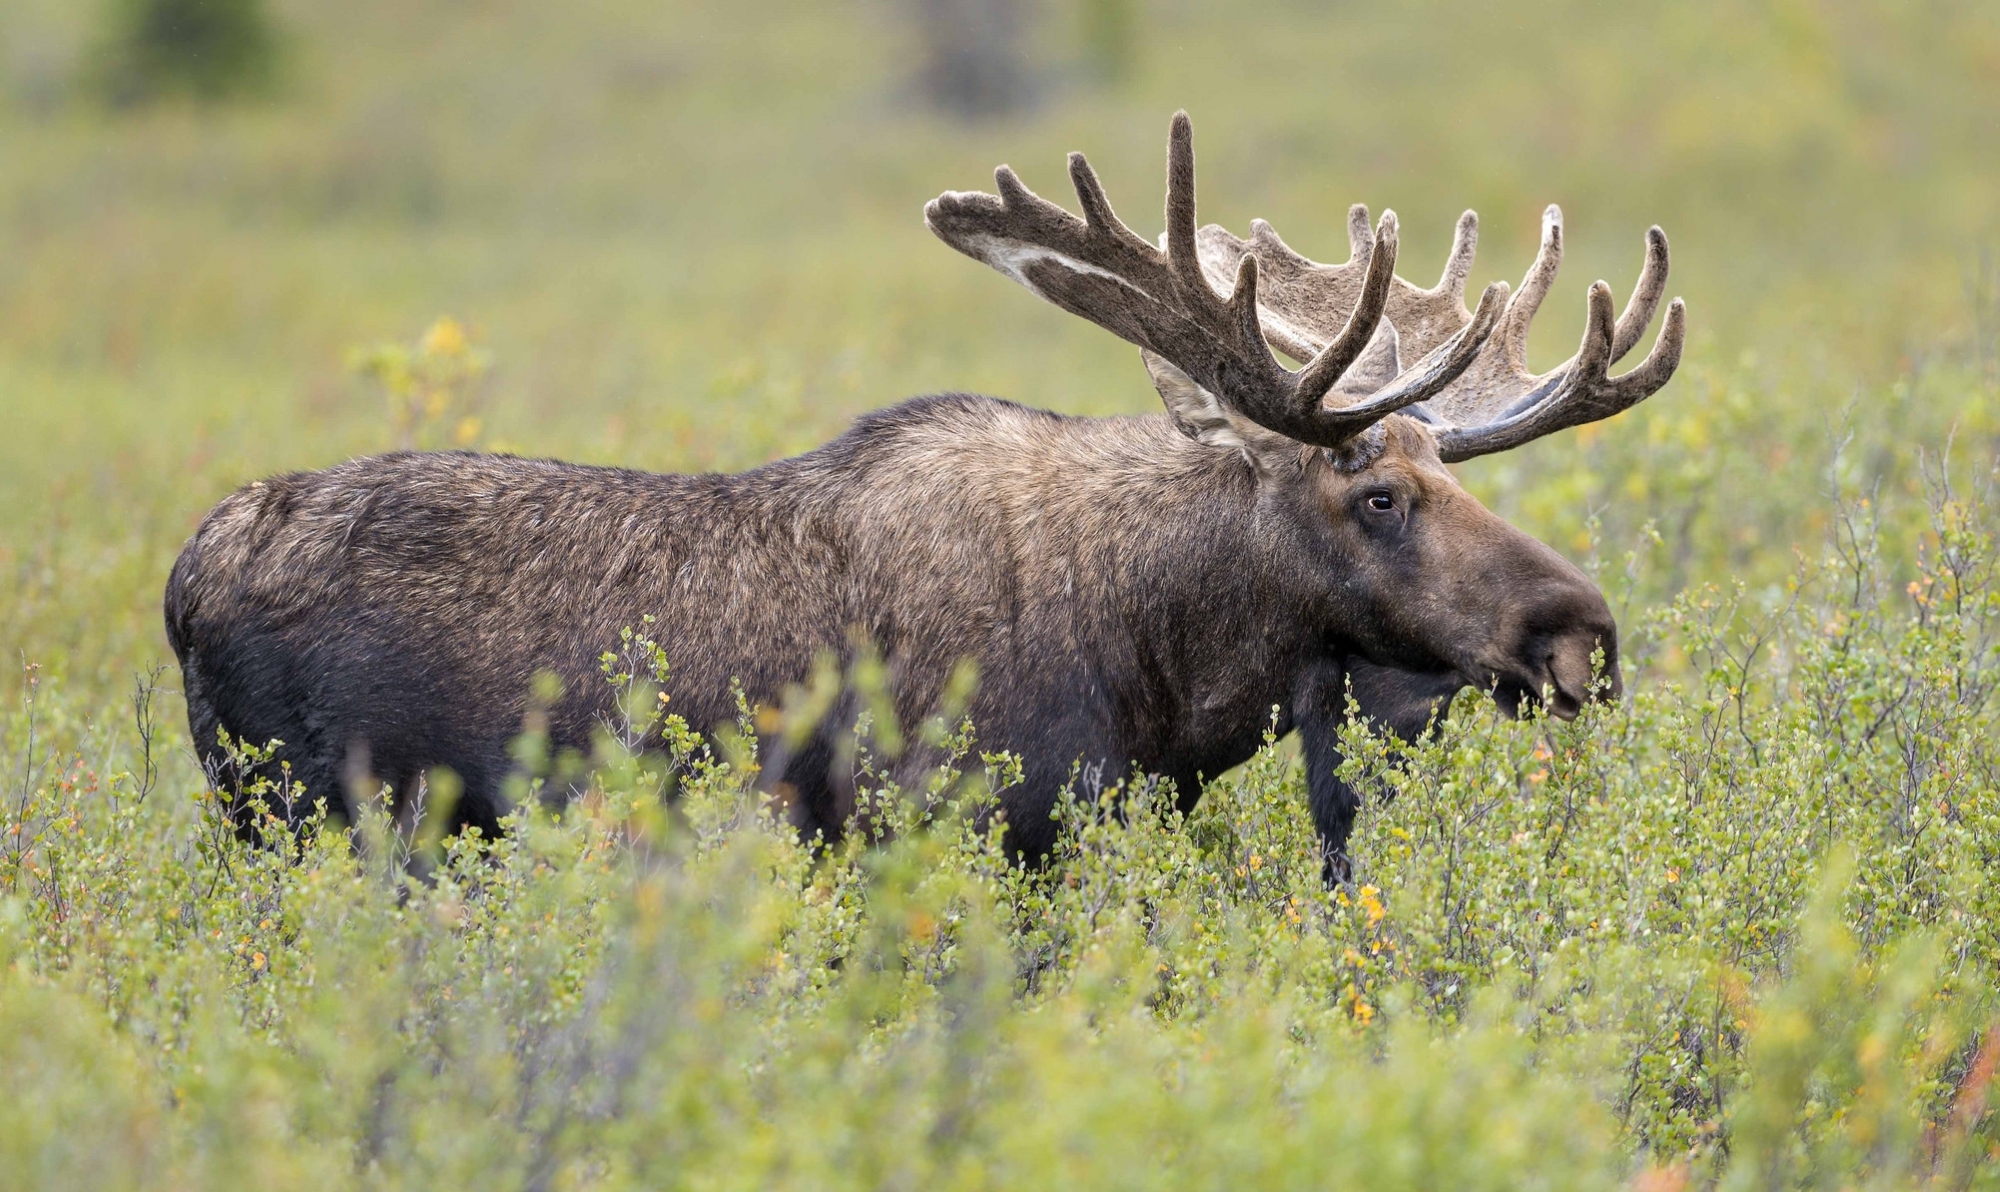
column 1381, row 502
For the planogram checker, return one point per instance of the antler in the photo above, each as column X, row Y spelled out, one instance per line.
column 1101, row 270
column 1496, row 403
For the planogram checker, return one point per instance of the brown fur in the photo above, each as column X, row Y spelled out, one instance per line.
column 1132, row 597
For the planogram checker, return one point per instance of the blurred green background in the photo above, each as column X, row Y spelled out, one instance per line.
column 689, row 237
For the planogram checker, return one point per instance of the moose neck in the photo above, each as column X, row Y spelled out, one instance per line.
column 1162, row 574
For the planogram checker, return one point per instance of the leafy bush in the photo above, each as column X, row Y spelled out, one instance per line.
column 206, row 49
column 429, row 386
column 1743, row 931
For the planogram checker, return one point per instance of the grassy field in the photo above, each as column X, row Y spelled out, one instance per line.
column 1744, row 931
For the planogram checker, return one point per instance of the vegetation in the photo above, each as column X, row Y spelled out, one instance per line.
column 1743, row 931
column 207, row 49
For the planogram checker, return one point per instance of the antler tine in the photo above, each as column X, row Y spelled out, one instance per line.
column 1593, row 356
column 1458, row 266
column 1659, row 365
column 1359, row 241
column 1243, row 309
column 1185, row 261
column 1014, row 194
column 1238, row 313
column 1090, row 196
column 1535, row 286
column 1180, row 205
column 1646, row 295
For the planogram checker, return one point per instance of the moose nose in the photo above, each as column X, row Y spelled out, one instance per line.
column 1573, row 677
column 1553, row 640
column 1563, row 654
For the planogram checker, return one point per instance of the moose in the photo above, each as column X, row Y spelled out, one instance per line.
column 1139, row 594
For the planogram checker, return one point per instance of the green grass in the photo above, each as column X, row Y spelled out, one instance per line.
column 690, row 238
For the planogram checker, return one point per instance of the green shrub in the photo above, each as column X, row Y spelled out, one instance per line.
column 1742, row 931
column 204, row 49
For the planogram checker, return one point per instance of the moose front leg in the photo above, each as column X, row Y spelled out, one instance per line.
column 1319, row 709
column 1402, row 702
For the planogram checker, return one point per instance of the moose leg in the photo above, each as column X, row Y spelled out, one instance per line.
column 1403, row 702
column 1319, row 708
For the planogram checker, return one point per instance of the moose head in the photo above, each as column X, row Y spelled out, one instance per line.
column 1349, row 450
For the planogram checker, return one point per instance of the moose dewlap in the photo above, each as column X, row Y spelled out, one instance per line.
column 1136, row 592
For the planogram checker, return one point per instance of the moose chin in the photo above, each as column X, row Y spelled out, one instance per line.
column 1138, row 593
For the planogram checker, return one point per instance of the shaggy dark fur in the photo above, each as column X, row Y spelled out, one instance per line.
column 1132, row 598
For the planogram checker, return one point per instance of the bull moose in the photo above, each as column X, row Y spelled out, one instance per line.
column 1137, row 592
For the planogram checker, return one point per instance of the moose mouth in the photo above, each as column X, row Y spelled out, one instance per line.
column 1558, row 672
column 1518, row 695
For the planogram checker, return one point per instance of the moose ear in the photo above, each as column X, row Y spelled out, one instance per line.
column 1205, row 420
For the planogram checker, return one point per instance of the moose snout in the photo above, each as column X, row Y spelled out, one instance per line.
column 1563, row 655
column 1559, row 671
column 1574, row 676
